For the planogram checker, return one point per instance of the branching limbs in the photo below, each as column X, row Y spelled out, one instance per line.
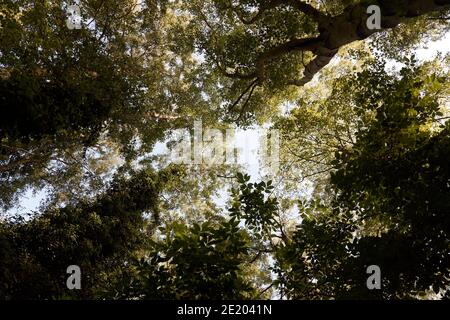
column 306, row 44
column 250, row 90
column 325, row 44
column 259, row 75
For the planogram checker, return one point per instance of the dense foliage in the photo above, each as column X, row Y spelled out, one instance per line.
column 364, row 173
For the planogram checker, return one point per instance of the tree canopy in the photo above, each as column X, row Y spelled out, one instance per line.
column 364, row 173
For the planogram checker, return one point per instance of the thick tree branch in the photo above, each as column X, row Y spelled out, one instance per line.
column 307, row 44
column 334, row 33
column 340, row 30
column 313, row 67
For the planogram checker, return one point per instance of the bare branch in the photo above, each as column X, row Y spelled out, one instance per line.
column 244, row 106
column 265, row 290
column 250, row 87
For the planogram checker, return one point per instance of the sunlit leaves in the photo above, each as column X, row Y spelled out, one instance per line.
column 253, row 204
